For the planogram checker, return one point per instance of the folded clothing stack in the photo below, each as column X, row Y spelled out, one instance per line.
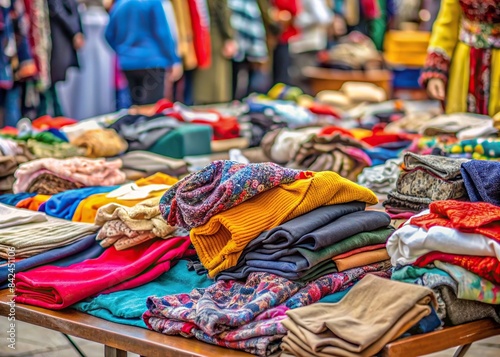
column 12, row 154
column 453, row 248
column 61, row 175
column 425, row 179
column 317, row 243
column 355, row 326
column 336, row 152
column 44, row 232
column 245, row 315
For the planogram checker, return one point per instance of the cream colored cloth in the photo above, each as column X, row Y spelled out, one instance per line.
column 375, row 312
column 11, row 216
column 144, row 216
column 35, row 238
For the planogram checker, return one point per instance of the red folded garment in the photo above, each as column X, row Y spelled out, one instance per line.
column 468, row 217
column 55, row 288
column 486, row 267
column 330, row 130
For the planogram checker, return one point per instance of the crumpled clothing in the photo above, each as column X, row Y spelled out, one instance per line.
column 228, row 312
column 459, row 311
column 456, row 123
column 59, row 150
column 281, row 145
column 381, row 178
column 101, row 143
column 220, row 186
column 117, row 233
column 87, row 172
column 336, row 152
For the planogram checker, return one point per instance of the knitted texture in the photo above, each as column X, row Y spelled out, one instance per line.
column 468, row 217
column 219, row 186
column 482, row 180
column 220, row 242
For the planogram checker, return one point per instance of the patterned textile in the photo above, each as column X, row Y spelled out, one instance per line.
column 219, row 186
column 420, row 183
column 485, row 267
column 49, row 184
column 243, row 315
column 475, row 23
column 409, row 203
column 468, row 217
column 479, row 84
column 117, row 233
column 246, row 19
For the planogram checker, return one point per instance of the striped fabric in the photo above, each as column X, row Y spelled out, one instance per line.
column 246, row 19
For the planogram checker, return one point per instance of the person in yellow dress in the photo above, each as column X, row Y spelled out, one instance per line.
column 463, row 61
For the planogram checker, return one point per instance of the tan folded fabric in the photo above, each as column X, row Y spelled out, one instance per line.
column 228, row 144
column 361, row 259
column 144, row 216
column 366, row 319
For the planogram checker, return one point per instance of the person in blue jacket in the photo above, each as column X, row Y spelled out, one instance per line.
column 139, row 33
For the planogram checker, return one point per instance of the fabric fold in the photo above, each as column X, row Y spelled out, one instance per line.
column 59, row 287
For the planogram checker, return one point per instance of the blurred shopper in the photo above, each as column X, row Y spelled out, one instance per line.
column 249, row 73
column 212, row 84
column 66, row 35
column 140, row 34
column 314, row 22
column 284, row 13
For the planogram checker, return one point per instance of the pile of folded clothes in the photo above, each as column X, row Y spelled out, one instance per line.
column 50, row 176
column 425, row 179
column 454, row 249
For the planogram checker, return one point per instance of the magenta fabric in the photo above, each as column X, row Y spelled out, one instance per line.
column 55, row 288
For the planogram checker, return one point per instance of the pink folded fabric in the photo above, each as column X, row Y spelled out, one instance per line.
column 89, row 172
column 56, row 288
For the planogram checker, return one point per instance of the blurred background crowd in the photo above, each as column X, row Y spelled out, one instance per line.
column 87, row 58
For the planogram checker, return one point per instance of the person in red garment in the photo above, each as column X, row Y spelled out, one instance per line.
column 283, row 12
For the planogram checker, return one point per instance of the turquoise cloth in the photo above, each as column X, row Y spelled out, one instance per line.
column 127, row 306
column 430, row 277
column 335, row 297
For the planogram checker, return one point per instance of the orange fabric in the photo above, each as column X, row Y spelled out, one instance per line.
column 361, row 259
column 468, row 217
column 33, row 203
column 47, row 122
column 157, row 179
column 367, row 248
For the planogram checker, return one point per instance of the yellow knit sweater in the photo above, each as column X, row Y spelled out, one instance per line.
column 221, row 240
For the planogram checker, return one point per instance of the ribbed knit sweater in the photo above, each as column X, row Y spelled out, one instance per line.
column 221, row 240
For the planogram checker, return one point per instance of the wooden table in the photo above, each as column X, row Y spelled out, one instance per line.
column 119, row 338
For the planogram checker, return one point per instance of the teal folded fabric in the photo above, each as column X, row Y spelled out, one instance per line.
column 430, row 277
column 335, row 297
column 127, row 306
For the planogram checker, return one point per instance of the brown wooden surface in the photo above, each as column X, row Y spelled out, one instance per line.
column 151, row 344
column 127, row 338
column 449, row 337
column 330, row 79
